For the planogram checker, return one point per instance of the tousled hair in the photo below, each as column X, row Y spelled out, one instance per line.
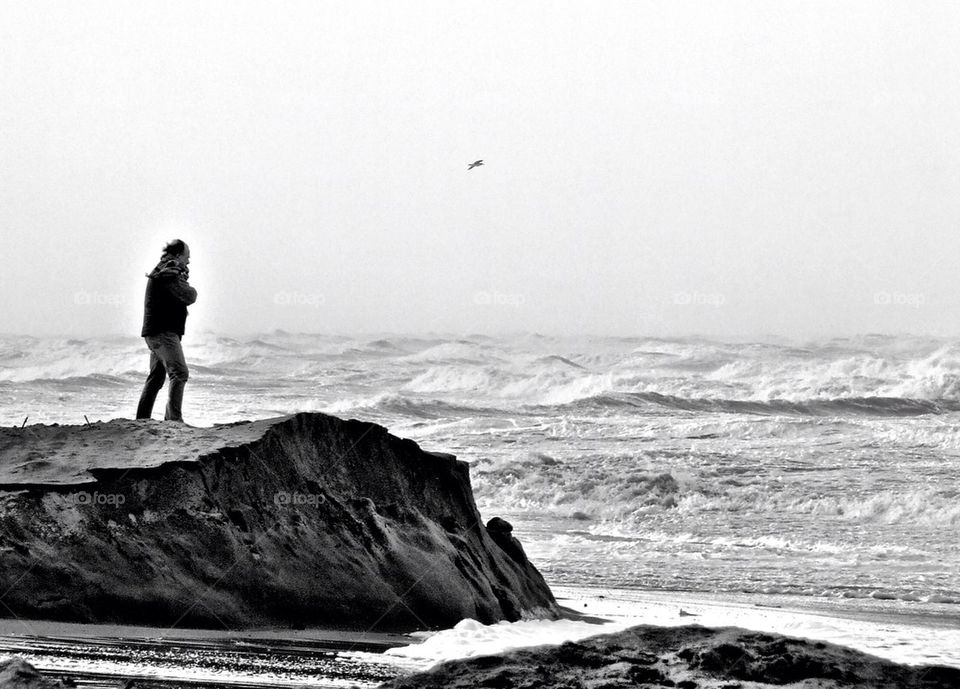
column 175, row 248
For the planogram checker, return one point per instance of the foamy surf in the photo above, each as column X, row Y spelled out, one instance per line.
column 873, row 631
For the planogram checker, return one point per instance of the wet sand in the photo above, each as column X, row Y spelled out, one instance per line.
column 98, row 656
column 326, row 638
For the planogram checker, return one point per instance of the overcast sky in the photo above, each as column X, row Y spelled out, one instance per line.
column 724, row 168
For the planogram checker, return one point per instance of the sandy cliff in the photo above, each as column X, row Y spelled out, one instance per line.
column 302, row 520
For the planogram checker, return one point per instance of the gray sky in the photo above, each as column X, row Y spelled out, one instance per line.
column 729, row 168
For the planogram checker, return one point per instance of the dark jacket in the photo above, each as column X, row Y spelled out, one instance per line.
column 166, row 299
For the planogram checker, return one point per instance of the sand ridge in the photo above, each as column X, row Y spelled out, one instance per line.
column 306, row 520
column 55, row 455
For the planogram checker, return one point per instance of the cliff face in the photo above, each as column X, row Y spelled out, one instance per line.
column 306, row 519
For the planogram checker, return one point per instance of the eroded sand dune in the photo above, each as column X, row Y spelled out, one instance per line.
column 306, row 519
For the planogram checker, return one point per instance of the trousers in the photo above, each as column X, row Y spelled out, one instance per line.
column 166, row 361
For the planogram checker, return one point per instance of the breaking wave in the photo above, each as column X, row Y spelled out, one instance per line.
column 873, row 406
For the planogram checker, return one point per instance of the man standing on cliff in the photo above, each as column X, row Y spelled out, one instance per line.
column 164, row 317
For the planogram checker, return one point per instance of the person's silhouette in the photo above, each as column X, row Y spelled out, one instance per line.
column 164, row 318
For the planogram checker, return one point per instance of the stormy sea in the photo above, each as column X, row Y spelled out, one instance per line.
column 637, row 472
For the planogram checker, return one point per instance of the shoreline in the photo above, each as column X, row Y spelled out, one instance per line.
column 91, row 651
column 600, row 607
column 882, row 628
column 319, row 637
column 934, row 615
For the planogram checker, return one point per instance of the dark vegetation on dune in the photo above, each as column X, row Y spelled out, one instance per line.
column 683, row 657
column 304, row 520
column 16, row 673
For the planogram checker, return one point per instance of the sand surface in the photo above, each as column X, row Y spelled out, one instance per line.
column 11, row 629
column 53, row 455
column 875, row 627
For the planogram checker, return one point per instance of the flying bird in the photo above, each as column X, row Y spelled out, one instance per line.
column 476, row 163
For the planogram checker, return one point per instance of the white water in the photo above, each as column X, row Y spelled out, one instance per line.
column 873, row 631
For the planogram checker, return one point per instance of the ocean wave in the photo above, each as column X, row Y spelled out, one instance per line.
column 456, row 352
column 540, row 482
column 870, row 406
column 933, row 507
column 622, row 534
column 696, row 375
column 93, row 380
column 927, row 507
column 71, row 363
column 625, row 493
column 867, row 375
column 399, row 405
column 447, row 379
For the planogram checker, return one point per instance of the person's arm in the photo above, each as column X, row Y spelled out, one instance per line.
column 181, row 289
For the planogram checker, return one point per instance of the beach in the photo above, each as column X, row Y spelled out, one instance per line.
column 102, row 655
column 807, row 488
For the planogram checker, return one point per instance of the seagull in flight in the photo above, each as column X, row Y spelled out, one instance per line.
column 476, row 163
